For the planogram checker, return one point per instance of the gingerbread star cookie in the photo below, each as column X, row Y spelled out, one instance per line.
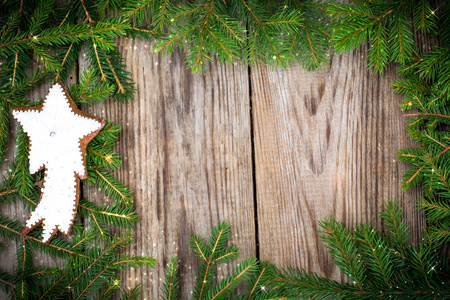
column 59, row 133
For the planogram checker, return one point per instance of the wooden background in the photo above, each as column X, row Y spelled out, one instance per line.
column 270, row 151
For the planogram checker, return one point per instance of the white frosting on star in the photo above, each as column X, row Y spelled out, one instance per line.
column 55, row 133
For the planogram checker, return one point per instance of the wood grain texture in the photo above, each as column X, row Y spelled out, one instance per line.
column 325, row 146
column 186, row 150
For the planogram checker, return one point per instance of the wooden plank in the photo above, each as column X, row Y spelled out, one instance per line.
column 186, row 150
column 325, row 146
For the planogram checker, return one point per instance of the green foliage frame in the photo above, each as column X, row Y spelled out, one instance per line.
column 277, row 33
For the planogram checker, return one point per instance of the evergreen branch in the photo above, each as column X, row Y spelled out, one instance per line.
column 319, row 28
column 16, row 62
column 253, row 47
column 255, row 284
column 111, row 213
column 189, row 12
column 13, row 20
column 134, row 261
column 112, row 187
column 224, row 48
column 311, row 47
column 99, row 64
column 378, row 259
column 341, row 11
column 114, row 244
column 25, row 85
column 203, row 27
column 296, row 283
column 65, row 34
column 41, row 272
column 47, row 59
column 82, row 241
column 4, row 126
column 131, row 294
column 88, row 16
column 199, row 249
column 171, row 41
column 135, row 11
column 119, row 84
column 96, row 223
column 69, row 11
column 426, row 114
column 107, row 293
column 17, row 233
column 21, row 177
column 55, row 284
column 143, row 30
column 436, row 169
column 7, row 283
column 89, row 90
column 229, row 254
column 65, row 59
column 436, row 141
column 398, row 232
column 408, row 182
column 230, row 30
column 342, row 248
column 208, row 265
column 14, row 191
column 164, row 11
column 170, row 286
column 261, row 25
column 436, row 210
column 225, row 287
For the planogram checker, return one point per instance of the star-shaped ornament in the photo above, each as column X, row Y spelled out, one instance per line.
column 59, row 133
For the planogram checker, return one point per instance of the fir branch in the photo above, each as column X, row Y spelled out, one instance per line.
column 226, row 286
column 343, row 250
column 110, row 185
column 213, row 28
column 397, row 229
column 89, row 90
column 170, row 286
column 126, row 260
column 4, row 127
column 255, row 281
column 130, row 294
column 62, row 35
column 21, row 177
column 114, row 285
column 386, row 25
column 11, row 229
column 118, row 241
column 114, row 214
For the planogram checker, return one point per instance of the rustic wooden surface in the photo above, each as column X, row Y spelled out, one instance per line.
column 186, row 150
column 270, row 151
column 325, row 146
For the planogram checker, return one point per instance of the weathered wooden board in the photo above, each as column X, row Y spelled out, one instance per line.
column 186, row 150
column 325, row 146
